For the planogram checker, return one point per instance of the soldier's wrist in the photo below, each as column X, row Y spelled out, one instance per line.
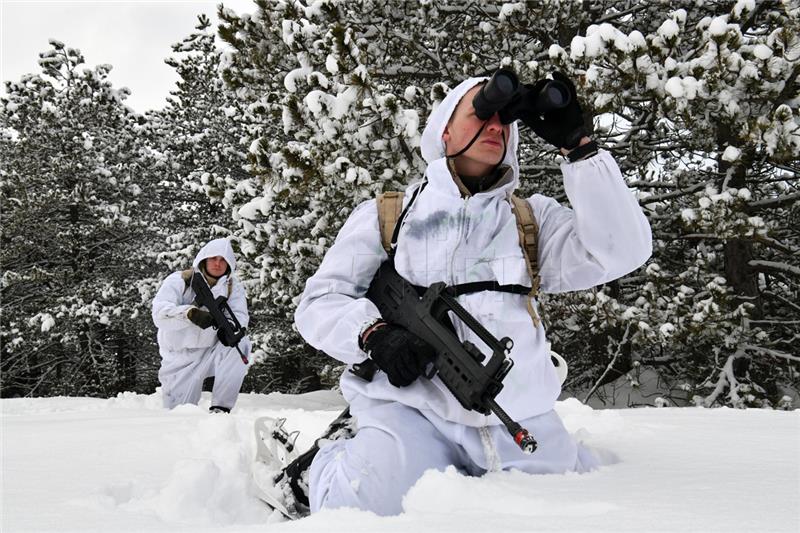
column 587, row 148
column 367, row 330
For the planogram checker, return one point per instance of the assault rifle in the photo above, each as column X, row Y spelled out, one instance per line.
column 459, row 364
column 229, row 331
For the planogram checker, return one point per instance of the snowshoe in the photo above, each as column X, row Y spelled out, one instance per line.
column 280, row 474
column 275, row 449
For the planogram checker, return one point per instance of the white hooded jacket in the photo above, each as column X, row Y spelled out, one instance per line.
column 457, row 240
column 176, row 333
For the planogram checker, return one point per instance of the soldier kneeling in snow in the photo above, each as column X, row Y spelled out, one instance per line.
column 461, row 229
column 192, row 345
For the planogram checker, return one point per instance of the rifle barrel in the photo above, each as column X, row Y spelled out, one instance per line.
column 521, row 435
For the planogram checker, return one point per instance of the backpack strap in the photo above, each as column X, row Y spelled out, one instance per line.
column 187, row 277
column 391, row 215
column 528, row 231
column 390, row 204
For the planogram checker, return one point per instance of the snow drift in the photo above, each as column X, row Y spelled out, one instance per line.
column 126, row 464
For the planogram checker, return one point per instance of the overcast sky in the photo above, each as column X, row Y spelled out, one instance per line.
column 133, row 36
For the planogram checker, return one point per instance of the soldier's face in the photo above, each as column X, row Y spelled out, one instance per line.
column 487, row 151
column 216, row 266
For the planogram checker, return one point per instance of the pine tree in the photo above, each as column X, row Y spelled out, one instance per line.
column 196, row 148
column 74, row 314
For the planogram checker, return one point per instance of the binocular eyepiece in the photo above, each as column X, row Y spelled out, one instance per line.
column 504, row 94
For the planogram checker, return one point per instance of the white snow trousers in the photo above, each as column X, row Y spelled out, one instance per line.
column 395, row 444
column 182, row 379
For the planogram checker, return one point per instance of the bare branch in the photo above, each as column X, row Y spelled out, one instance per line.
column 676, row 194
column 772, row 203
column 772, row 266
column 781, row 298
column 773, row 353
column 611, row 364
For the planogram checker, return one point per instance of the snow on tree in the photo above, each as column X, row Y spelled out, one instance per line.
column 196, row 149
column 697, row 101
column 75, row 317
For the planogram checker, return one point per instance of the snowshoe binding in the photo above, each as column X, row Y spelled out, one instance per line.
column 280, row 473
column 275, row 449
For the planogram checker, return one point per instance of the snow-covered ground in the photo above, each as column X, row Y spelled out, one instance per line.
column 125, row 464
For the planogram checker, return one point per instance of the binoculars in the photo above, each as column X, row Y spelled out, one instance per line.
column 504, row 94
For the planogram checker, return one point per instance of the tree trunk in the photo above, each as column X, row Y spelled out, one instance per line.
column 738, row 252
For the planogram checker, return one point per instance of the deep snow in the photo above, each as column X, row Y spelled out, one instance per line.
column 125, row 464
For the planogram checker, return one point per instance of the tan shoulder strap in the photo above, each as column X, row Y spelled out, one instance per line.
column 390, row 205
column 528, row 231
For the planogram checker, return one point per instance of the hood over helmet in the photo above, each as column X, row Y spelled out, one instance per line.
column 213, row 248
column 432, row 145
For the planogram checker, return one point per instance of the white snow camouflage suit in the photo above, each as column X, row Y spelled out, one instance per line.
column 190, row 354
column 404, row 431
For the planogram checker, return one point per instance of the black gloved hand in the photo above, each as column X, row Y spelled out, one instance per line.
column 564, row 127
column 398, row 352
column 200, row 318
column 231, row 341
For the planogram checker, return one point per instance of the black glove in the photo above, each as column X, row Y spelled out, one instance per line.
column 398, row 352
column 232, row 340
column 564, row 127
column 200, row 318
